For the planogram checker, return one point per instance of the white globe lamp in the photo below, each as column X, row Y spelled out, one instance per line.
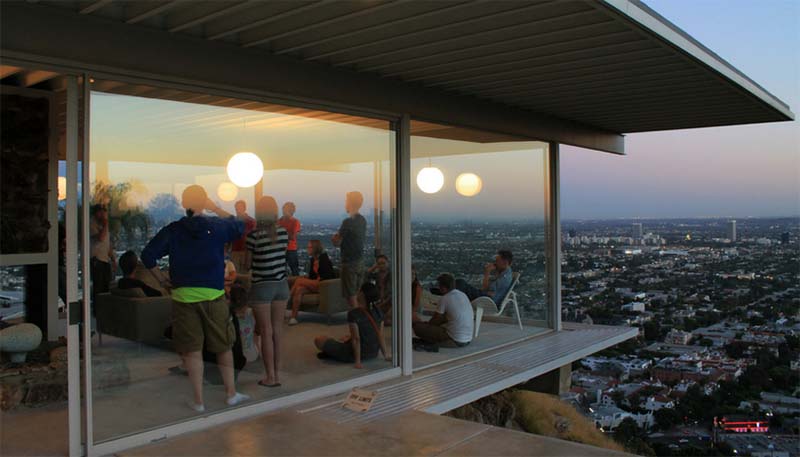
column 227, row 191
column 430, row 180
column 245, row 169
column 468, row 184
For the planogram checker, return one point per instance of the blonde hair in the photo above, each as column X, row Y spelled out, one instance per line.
column 267, row 216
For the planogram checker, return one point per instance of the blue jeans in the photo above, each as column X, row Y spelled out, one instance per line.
column 293, row 263
column 471, row 291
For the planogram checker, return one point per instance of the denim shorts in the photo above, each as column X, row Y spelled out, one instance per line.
column 265, row 292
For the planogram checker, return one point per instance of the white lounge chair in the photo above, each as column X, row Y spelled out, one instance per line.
column 485, row 305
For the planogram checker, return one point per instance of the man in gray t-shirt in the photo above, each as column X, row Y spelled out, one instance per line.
column 350, row 238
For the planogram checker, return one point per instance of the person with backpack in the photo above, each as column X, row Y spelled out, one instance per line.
column 243, row 345
column 365, row 339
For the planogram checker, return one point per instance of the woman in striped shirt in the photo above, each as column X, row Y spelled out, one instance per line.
column 266, row 259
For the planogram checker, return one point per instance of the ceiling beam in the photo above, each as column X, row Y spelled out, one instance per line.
column 534, row 73
column 93, row 6
column 658, row 71
column 458, row 38
column 354, row 14
column 527, row 62
column 210, row 16
column 8, row 70
column 166, row 6
column 275, row 17
column 374, row 28
column 31, row 78
column 435, row 28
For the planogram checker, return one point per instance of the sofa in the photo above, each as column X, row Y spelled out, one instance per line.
column 328, row 301
column 129, row 314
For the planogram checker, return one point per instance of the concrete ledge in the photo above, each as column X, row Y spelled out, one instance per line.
column 411, row 433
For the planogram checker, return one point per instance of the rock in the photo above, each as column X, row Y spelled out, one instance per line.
column 497, row 410
column 561, row 424
column 11, row 393
column 43, row 393
column 58, row 357
column 17, row 340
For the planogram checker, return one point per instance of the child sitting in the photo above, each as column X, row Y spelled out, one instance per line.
column 247, row 323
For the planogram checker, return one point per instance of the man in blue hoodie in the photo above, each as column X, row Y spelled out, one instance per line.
column 195, row 246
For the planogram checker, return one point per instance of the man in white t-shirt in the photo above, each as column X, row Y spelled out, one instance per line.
column 453, row 322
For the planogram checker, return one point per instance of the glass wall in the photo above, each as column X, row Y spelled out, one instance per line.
column 478, row 216
column 158, row 283
column 33, row 361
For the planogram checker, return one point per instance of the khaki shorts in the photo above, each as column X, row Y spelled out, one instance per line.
column 206, row 322
column 352, row 276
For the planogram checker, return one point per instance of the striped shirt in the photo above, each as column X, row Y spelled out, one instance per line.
column 269, row 257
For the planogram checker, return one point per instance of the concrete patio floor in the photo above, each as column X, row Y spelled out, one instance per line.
column 411, row 433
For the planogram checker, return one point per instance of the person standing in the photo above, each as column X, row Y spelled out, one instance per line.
column 292, row 226
column 266, row 259
column 195, row 245
column 350, row 239
column 238, row 247
column 103, row 259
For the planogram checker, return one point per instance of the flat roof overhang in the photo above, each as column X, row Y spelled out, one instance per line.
column 578, row 73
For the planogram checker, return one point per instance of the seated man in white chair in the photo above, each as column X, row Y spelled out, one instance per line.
column 497, row 279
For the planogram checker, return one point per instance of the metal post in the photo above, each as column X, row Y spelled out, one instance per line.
column 403, row 236
column 71, row 222
column 553, row 237
column 87, row 326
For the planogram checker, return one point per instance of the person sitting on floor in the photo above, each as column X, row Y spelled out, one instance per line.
column 128, row 263
column 497, row 279
column 453, row 322
column 365, row 339
column 380, row 275
column 320, row 268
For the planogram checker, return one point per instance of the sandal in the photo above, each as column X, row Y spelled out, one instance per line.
column 263, row 384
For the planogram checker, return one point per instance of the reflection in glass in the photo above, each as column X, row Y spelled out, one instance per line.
column 483, row 234
column 146, row 151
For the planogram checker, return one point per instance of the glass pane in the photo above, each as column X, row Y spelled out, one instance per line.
column 33, row 364
column 478, row 218
column 152, row 152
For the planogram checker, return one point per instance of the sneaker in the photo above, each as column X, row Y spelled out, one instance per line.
column 198, row 408
column 293, row 321
column 236, row 399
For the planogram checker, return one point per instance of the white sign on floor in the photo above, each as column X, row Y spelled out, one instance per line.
column 360, row 400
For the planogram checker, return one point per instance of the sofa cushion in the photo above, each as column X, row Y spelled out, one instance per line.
column 130, row 293
column 143, row 274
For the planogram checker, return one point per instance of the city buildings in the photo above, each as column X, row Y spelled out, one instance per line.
column 126, row 104
column 732, row 230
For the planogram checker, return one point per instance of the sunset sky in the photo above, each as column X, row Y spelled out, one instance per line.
column 751, row 170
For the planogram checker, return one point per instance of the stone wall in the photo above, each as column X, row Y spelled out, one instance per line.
column 24, row 179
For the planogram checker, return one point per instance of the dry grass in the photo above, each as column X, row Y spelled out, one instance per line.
column 538, row 413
